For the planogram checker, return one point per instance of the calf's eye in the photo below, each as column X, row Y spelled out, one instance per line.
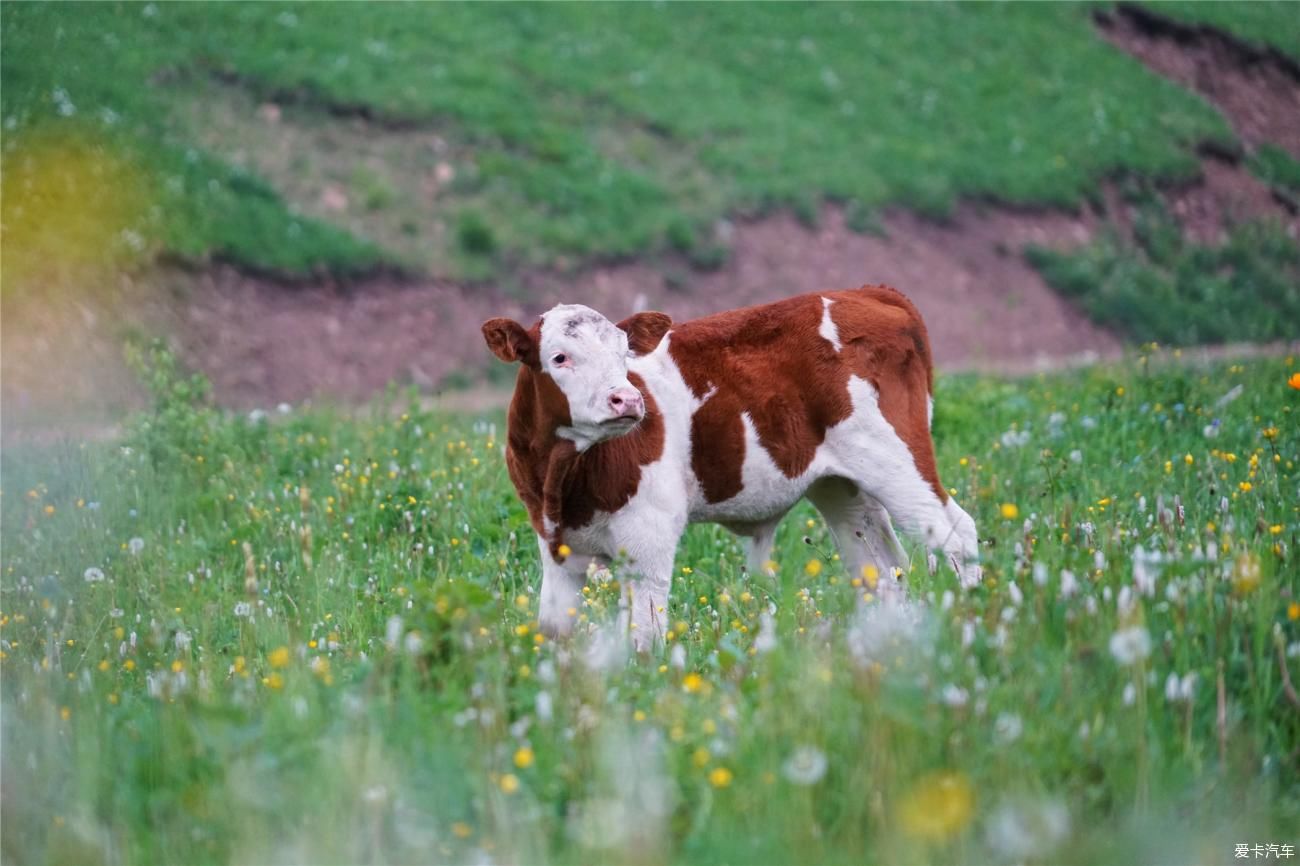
column 559, row 360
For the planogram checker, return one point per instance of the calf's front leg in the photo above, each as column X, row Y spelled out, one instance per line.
column 646, row 550
column 561, row 594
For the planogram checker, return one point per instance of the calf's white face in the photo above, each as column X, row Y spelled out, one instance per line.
column 586, row 356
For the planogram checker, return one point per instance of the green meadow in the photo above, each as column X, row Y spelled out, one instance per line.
column 326, row 142
column 311, row 637
column 574, row 132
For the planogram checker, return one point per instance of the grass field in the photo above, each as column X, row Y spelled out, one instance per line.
column 312, row 638
column 1263, row 22
column 587, row 130
column 479, row 142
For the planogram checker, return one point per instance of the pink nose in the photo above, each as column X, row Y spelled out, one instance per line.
column 626, row 403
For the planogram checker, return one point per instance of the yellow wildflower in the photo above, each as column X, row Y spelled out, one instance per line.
column 1010, row 511
column 938, row 806
column 279, row 657
column 720, row 777
column 1245, row 574
column 871, row 575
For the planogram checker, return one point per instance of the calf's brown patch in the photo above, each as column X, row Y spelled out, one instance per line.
column 772, row 364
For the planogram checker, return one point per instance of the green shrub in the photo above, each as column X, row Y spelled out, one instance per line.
column 1157, row 286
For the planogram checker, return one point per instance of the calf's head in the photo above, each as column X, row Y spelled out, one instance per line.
column 584, row 355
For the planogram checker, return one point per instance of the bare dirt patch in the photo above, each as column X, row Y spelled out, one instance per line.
column 1225, row 194
column 262, row 342
column 985, row 307
column 1256, row 89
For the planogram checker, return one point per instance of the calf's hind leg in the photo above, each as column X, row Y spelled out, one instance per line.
column 862, row 532
column 874, row 456
column 940, row 525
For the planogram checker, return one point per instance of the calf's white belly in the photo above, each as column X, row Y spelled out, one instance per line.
column 766, row 492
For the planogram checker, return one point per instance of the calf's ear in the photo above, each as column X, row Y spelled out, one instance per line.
column 507, row 339
column 645, row 330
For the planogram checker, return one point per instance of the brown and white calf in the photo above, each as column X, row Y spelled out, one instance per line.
column 620, row 435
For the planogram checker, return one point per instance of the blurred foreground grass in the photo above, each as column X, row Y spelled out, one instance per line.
column 312, row 638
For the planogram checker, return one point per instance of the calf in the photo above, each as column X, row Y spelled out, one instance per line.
column 620, row 435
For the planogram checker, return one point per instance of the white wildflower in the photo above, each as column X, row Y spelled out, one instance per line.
column 413, row 643
column 1069, row 585
column 805, row 766
column 1040, row 574
column 1146, row 567
column 1180, row 689
column 545, row 706
column 882, row 632
column 93, row 575
column 1131, row 645
column 135, row 545
column 1130, row 694
column 63, row 102
column 607, row 650
column 1014, row 439
column 1008, row 728
column 1028, row 830
column 955, row 696
column 392, row 632
column 1125, row 602
column 766, row 639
